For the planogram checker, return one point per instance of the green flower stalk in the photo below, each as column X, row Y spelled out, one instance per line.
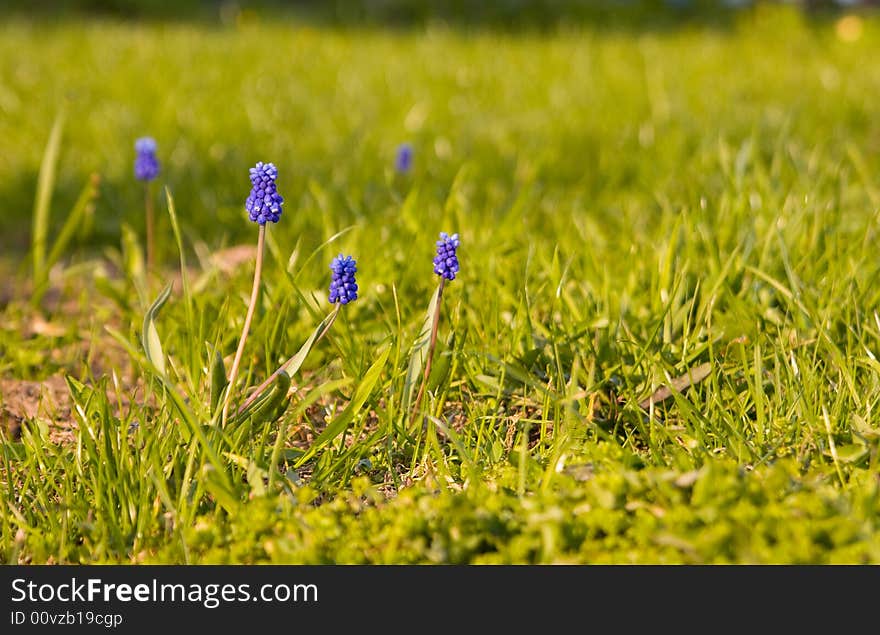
column 146, row 169
column 263, row 205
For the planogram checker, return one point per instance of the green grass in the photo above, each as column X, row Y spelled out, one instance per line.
column 632, row 202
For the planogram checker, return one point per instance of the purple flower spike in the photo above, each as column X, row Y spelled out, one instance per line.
column 343, row 287
column 404, row 158
column 146, row 165
column 264, row 202
column 446, row 260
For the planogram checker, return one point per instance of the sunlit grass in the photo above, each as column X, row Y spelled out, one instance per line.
column 633, row 205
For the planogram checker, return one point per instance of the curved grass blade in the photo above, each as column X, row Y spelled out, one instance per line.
column 150, row 336
column 295, row 362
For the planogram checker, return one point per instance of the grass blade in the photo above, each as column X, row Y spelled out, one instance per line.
column 218, row 380
column 150, row 336
column 295, row 362
column 45, row 186
column 419, row 353
column 175, row 227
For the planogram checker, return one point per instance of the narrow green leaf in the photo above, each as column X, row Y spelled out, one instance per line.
column 252, row 407
column 45, row 186
column 280, row 407
column 270, row 405
column 465, row 454
column 419, row 353
column 218, row 380
column 278, row 396
column 175, row 227
column 294, row 256
column 442, row 362
column 161, row 485
column 151, row 342
column 361, row 394
column 297, row 360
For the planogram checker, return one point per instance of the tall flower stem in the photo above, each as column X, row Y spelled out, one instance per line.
column 433, row 343
column 148, row 204
column 233, row 374
column 259, row 389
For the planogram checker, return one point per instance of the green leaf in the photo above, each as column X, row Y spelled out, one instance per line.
column 45, row 185
column 443, row 354
column 248, row 412
column 175, row 227
column 269, row 409
column 863, row 429
column 15, row 448
column 151, row 343
column 277, row 411
column 270, row 405
column 218, row 380
column 361, row 394
column 294, row 256
column 292, row 366
column 465, row 454
column 419, row 354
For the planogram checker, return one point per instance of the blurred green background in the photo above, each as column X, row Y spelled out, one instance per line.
column 547, row 94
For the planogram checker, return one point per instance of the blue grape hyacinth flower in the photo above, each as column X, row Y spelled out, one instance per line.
column 264, row 202
column 146, row 165
column 404, row 158
column 343, row 287
column 446, row 260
